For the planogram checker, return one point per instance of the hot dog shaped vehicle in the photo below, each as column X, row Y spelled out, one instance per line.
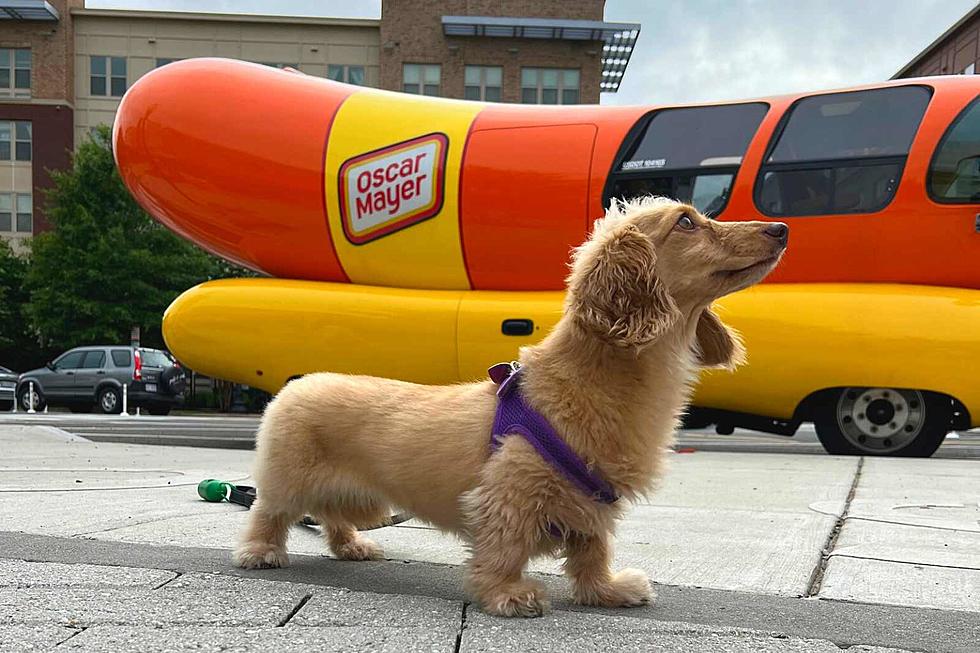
column 424, row 238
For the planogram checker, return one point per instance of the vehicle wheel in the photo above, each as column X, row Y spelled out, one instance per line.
column 159, row 410
column 80, row 409
column 109, row 401
column 696, row 418
column 24, row 401
column 883, row 422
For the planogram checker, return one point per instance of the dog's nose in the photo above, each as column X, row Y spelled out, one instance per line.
column 777, row 230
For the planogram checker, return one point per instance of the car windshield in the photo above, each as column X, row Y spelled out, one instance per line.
column 155, row 358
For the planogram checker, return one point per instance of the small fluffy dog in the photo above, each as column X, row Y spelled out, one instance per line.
column 611, row 379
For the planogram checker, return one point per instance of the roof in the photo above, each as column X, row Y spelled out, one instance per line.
column 619, row 38
column 942, row 37
column 222, row 17
column 27, row 10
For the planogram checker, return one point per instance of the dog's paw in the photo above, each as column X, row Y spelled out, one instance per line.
column 524, row 599
column 260, row 555
column 360, row 548
column 627, row 589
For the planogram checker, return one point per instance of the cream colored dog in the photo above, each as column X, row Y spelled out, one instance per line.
column 611, row 378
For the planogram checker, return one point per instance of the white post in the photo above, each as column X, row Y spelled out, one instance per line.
column 30, row 398
column 124, row 409
column 14, row 409
column 137, row 411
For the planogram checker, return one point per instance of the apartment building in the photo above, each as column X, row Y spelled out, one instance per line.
column 64, row 67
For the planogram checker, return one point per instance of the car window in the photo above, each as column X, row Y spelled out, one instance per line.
column 840, row 152
column 954, row 175
column 690, row 154
column 121, row 358
column 696, row 137
column 70, row 361
column 880, row 122
column 154, row 358
column 93, row 360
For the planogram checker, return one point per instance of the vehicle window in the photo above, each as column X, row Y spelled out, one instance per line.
column 954, row 175
column 840, row 152
column 154, row 358
column 121, row 358
column 70, row 361
column 689, row 154
column 94, row 360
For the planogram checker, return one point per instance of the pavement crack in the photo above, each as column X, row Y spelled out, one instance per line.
column 462, row 627
column 292, row 613
column 78, row 631
column 177, row 574
column 816, row 578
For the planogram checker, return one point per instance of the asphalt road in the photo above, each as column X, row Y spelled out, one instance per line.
column 238, row 432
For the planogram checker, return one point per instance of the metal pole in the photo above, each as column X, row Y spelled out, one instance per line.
column 14, row 409
column 125, row 410
column 30, row 398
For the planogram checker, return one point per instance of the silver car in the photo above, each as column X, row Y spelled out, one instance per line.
column 8, row 383
column 93, row 377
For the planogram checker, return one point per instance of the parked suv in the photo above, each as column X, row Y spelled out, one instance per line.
column 8, row 381
column 93, row 377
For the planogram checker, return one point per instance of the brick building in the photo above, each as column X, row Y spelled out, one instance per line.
column 953, row 53
column 64, row 68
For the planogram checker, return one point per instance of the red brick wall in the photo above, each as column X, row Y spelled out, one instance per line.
column 52, row 47
column 411, row 32
column 953, row 54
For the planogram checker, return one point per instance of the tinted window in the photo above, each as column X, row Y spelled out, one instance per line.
column 154, row 358
column 121, row 358
column 70, row 361
column 954, row 175
column 875, row 123
column 93, row 360
column 696, row 137
column 842, row 189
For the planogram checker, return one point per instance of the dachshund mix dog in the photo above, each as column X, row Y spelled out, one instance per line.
column 610, row 379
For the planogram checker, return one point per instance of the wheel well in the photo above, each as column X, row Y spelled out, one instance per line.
column 107, row 384
column 815, row 401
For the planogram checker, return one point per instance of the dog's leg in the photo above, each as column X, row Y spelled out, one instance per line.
column 348, row 544
column 263, row 544
column 500, row 552
column 594, row 583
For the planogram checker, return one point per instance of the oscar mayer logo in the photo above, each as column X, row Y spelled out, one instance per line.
column 392, row 188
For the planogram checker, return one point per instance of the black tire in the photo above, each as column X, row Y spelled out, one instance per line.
column 81, row 408
column 697, row 418
column 108, row 400
column 23, row 401
column 883, row 422
column 173, row 380
column 159, row 410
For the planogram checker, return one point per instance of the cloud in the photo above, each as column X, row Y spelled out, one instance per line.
column 709, row 50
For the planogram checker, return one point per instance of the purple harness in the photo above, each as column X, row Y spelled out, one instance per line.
column 515, row 416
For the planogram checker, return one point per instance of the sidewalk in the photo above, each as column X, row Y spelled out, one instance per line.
column 749, row 552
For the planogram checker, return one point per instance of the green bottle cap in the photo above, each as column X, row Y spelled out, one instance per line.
column 213, row 490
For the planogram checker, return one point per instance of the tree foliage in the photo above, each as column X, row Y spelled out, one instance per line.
column 15, row 333
column 106, row 265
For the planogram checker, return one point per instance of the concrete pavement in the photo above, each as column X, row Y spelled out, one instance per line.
column 820, row 551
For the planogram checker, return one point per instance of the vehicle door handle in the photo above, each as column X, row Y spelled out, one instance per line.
column 517, row 327
column 101, row 372
column 70, row 373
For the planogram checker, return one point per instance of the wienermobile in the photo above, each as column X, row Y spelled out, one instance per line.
column 425, row 239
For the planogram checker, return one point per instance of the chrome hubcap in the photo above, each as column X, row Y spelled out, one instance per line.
column 108, row 402
column 880, row 420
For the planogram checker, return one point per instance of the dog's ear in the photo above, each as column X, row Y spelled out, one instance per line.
column 717, row 345
column 614, row 290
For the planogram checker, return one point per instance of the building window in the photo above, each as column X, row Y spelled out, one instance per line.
column 15, row 72
column 15, row 140
column 25, row 214
column 6, row 212
column 163, row 61
column 969, row 69
column 483, row 83
column 421, row 79
column 108, row 76
column 549, row 86
column 840, row 152
column 346, row 74
column 280, row 66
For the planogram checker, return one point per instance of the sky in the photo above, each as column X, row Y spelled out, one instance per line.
column 712, row 50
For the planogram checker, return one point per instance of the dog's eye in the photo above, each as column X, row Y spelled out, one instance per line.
column 685, row 223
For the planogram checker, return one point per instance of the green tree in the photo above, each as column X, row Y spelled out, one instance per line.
column 106, row 266
column 18, row 347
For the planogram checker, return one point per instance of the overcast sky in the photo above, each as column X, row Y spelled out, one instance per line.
column 703, row 50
